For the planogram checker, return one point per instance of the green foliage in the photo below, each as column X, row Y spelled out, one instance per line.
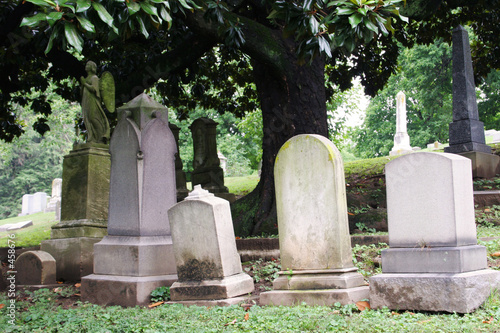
column 31, row 162
column 241, row 185
column 261, row 270
column 364, row 257
column 425, row 78
column 160, row 294
column 31, row 236
column 489, row 104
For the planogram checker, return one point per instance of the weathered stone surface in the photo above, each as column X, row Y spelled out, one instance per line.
column 212, row 289
column 134, row 256
column 16, row 226
column 434, row 260
column 122, row 290
column 206, row 164
column 430, row 201
column 208, row 264
column 35, row 268
column 483, row 165
column 314, row 297
column 180, row 175
column 85, row 187
column 55, row 197
column 462, row 293
column 313, row 228
column 74, row 256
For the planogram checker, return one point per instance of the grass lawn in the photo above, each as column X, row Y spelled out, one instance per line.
column 30, row 236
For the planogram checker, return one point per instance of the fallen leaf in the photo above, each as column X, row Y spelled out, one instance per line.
column 247, row 316
column 59, row 282
column 487, row 210
column 410, row 313
column 496, row 254
column 336, row 312
column 231, row 323
column 2, row 305
column 394, row 313
column 155, row 304
column 77, row 295
column 351, row 213
column 238, row 237
column 488, row 321
column 362, row 305
column 56, row 290
column 78, row 285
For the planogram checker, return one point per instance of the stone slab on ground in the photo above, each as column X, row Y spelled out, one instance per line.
column 35, row 268
column 122, row 290
column 434, row 260
column 74, row 256
column 314, row 297
column 16, row 226
column 462, row 293
column 219, row 302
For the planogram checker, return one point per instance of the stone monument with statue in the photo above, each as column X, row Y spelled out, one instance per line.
column 85, row 184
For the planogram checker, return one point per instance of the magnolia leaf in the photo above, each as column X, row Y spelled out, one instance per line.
column 73, row 37
column 86, row 24
column 355, row 19
column 166, row 16
column 53, row 36
column 345, row 11
column 133, row 7
column 104, row 15
column 33, row 21
column 142, row 27
column 82, row 5
column 43, row 3
column 53, row 17
column 148, row 8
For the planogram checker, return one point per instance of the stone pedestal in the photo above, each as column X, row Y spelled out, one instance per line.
column 315, row 245
column 434, row 262
column 483, row 165
column 136, row 257
column 84, row 210
column 208, row 263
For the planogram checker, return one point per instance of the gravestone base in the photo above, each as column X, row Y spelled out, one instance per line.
column 231, row 197
column 458, row 259
column 325, row 297
column 74, row 256
column 318, row 279
column 135, row 256
column 122, row 290
column 483, row 165
column 210, row 179
column 218, row 302
column 462, row 293
column 93, row 228
column 223, row 289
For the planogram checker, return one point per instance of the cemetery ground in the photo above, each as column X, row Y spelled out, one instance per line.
column 61, row 310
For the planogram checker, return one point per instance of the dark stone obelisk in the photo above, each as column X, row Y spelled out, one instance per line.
column 467, row 131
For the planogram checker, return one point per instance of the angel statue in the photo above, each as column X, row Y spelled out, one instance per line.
column 95, row 93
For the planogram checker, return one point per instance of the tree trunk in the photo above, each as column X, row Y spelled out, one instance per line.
column 292, row 103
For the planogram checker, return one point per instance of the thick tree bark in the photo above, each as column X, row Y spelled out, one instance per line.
column 293, row 102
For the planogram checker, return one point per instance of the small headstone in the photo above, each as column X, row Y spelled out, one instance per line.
column 137, row 255
column 33, row 203
column 208, row 264
column 16, row 226
column 35, row 268
column 315, row 245
column 56, row 195
column 434, row 262
column 401, row 138
column 467, row 131
column 223, row 161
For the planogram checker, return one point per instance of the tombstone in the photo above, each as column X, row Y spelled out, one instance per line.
column 180, row 175
column 15, row 226
column 492, row 136
column 33, row 203
column 208, row 264
column 206, row 164
column 137, row 256
column 223, row 161
column 401, row 138
column 315, row 245
column 83, row 211
column 55, row 196
column 467, row 131
column 35, row 268
column 434, row 262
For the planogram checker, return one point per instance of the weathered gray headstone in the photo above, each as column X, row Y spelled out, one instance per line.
column 401, row 138
column 33, row 203
column 434, row 262
column 467, row 131
column 206, row 164
column 137, row 256
column 208, row 264
column 35, row 268
column 83, row 212
column 315, row 245
column 55, row 196
column 180, row 175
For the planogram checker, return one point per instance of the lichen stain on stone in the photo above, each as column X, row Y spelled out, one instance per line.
column 195, row 270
